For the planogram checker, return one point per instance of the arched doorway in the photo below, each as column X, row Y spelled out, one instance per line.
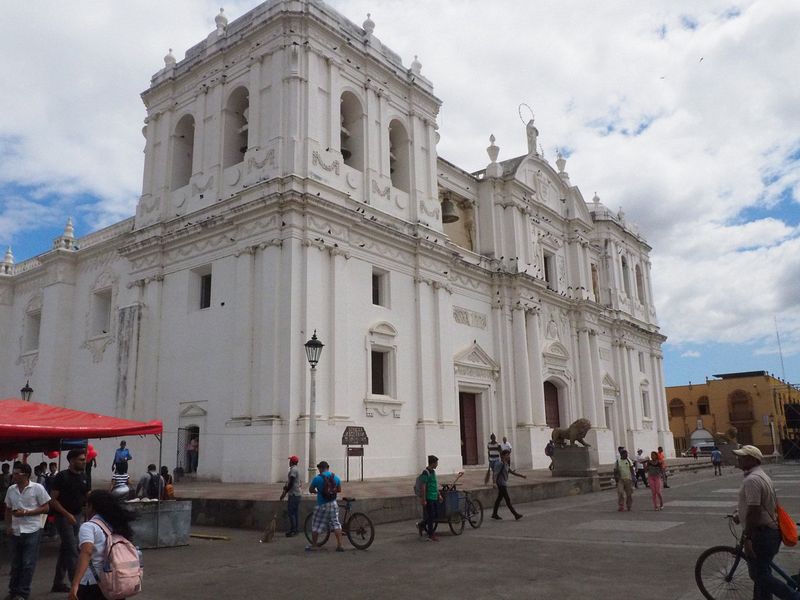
column 551, row 409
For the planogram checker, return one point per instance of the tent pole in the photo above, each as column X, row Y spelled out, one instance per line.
column 158, row 503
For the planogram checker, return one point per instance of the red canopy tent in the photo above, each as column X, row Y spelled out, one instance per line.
column 20, row 420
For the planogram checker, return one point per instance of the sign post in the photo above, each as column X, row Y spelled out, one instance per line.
column 354, row 436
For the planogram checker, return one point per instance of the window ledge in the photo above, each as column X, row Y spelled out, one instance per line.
column 383, row 405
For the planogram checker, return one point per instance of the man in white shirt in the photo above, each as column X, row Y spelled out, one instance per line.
column 25, row 502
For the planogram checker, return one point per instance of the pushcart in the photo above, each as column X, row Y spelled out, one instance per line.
column 456, row 508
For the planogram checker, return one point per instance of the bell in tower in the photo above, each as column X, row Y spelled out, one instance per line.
column 449, row 213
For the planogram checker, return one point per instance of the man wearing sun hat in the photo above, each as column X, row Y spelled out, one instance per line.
column 756, row 512
column 292, row 488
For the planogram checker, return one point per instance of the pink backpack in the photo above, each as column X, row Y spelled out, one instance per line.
column 122, row 572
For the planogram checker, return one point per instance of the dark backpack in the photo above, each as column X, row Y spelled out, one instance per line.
column 329, row 488
column 152, row 486
column 548, row 450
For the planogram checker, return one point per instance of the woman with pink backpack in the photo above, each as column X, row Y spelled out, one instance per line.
column 109, row 566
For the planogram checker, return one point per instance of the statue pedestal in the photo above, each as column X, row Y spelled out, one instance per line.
column 572, row 461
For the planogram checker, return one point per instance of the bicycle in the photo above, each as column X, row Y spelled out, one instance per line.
column 356, row 526
column 721, row 571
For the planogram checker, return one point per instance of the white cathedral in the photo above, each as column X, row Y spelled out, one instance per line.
column 292, row 184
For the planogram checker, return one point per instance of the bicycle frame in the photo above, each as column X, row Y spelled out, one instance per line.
column 740, row 556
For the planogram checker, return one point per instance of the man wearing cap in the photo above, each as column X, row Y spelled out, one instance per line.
column 756, row 512
column 292, row 489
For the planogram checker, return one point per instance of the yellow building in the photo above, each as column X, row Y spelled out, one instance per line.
column 754, row 402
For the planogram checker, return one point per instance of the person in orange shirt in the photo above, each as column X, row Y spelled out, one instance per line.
column 663, row 460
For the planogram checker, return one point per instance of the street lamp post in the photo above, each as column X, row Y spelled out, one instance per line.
column 27, row 391
column 313, row 352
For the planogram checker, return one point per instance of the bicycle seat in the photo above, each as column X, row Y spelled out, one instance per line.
column 348, row 499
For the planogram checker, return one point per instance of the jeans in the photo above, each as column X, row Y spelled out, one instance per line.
column 766, row 543
column 431, row 514
column 294, row 509
column 24, row 553
column 502, row 494
column 68, row 551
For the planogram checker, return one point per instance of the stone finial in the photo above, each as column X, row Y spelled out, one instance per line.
column 368, row 25
column 492, row 150
column 596, row 198
column 561, row 162
column 533, row 134
column 416, row 66
column 221, row 21
column 69, row 230
column 621, row 215
column 169, row 60
column 8, row 262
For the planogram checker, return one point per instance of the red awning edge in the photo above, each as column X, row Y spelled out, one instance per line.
column 20, row 420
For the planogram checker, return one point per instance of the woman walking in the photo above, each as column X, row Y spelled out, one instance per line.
column 654, row 472
column 105, row 508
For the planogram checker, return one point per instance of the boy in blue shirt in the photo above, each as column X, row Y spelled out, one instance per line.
column 326, row 486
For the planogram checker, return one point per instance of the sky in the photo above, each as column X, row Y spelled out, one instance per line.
column 684, row 114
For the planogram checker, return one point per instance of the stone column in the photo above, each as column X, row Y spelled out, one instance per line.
column 535, row 357
column 624, row 411
column 588, row 402
column 339, row 327
column 594, row 353
column 522, row 373
column 426, row 382
column 444, row 353
column 636, row 392
column 254, row 135
column 241, row 362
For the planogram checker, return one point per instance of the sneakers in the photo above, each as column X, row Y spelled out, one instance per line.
column 518, row 516
column 497, row 517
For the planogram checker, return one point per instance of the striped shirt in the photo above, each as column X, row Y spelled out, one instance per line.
column 493, row 450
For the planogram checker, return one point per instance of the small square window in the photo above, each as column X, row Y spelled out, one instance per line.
column 380, row 287
column 645, row 404
column 549, row 271
column 101, row 312
column 33, row 322
column 641, row 362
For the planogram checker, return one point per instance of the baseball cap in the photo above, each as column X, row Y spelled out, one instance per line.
column 750, row 451
column 294, row 459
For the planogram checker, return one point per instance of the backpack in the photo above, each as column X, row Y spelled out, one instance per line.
column 421, row 483
column 548, row 450
column 122, row 572
column 153, row 485
column 329, row 488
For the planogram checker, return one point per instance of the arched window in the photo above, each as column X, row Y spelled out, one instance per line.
column 351, row 138
column 235, row 128
column 639, row 284
column 741, row 407
column 676, row 408
column 182, row 152
column 703, row 406
column 625, row 276
column 398, row 156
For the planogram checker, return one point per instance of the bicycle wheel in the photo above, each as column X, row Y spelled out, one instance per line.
column 456, row 523
column 360, row 530
column 321, row 538
column 721, row 573
column 474, row 512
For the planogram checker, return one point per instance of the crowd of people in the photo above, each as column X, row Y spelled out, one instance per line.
column 43, row 501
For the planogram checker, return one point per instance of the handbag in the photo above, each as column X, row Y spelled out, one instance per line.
column 787, row 526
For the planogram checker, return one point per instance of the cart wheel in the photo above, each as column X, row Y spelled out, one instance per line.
column 474, row 512
column 456, row 523
column 321, row 538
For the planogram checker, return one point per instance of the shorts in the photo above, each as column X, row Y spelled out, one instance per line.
column 326, row 517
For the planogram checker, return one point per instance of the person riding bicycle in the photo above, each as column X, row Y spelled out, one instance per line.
column 326, row 486
column 756, row 512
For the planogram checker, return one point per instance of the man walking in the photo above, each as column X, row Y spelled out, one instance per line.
column 623, row 474
column 292, row 488
column 121, row 458
column 429, row 497
column 25, row 502
column 69, row 490
column 501, row 471
column 756, row 512
column 716, row 460
column 326, row 486
column 638, row 465
column 493, row 454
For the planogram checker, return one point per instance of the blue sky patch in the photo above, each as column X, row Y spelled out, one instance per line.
column 688, row 22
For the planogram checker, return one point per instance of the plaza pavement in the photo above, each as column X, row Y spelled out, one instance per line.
column 569, row 548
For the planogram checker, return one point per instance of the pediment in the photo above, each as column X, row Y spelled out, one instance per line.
column 476, row 357
column 610, row 387
column 383, row 328
column 556, row 350
column 193, row 410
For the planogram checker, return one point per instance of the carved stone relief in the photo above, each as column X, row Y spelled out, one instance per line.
column 468, row 317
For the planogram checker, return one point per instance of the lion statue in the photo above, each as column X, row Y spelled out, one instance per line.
column 574, row 433
column 729, row 437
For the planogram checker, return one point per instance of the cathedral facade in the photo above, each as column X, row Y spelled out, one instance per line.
column 292, row 185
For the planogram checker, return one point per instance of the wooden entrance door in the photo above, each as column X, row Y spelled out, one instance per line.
column 467, row 405
column 551, row 413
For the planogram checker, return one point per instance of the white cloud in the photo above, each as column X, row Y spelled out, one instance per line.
column 690, row 354
column 684, row 145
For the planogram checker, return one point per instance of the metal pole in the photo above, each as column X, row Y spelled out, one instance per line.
column 158, row 504
column 312, row 427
